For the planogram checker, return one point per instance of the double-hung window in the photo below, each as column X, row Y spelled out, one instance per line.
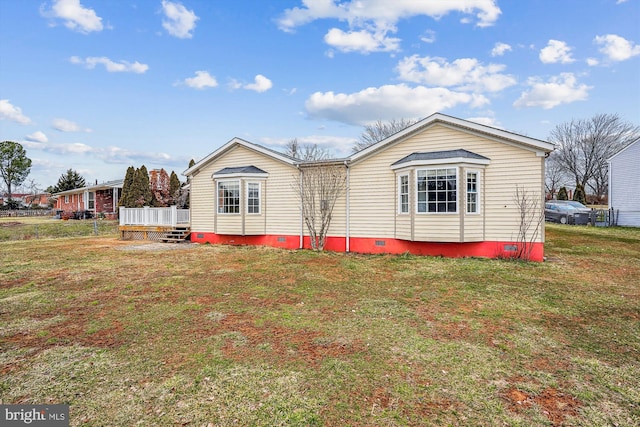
column 472, row 192
column 437, row 190
column 91, row 200
column 229, row 197
column 403, row 194
column 253, row 197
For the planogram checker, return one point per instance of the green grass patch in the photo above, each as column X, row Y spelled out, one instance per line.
column 221, row 335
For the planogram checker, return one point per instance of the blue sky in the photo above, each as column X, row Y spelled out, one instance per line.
column 99, row 85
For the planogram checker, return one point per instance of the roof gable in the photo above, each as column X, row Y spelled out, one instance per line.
column 527, row 143
column 241, row 142
column 624, row 149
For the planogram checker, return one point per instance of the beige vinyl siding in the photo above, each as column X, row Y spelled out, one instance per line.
column 228, row 224
column 281, row 205
column 279, row 209
column 373, row 192
column 255, row 224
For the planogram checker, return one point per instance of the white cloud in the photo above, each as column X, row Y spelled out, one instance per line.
column 387, row 102
column 201, row 80
column 75, row 16
column 500, row 48
column 13, row 113
column 429, row 36
column 110, row 155
column 556, row 51
column 180, row 22
column 111, row 66
column 37, row 136
column 592, row 62
column 384, row 12
column 260, row 84
column 463, row 73
column 562, row 89
column 362, row 41
column 370, row 21
column 64, row 125
column 617, row 48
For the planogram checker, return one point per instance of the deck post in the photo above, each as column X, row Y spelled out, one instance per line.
column 174, row 215
column 146, row 215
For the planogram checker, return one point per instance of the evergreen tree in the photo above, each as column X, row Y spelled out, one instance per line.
column 69, row 180
column 127, row 198
column 144, row 196
column 579, row 195
column 562, row 194
column 174, row 187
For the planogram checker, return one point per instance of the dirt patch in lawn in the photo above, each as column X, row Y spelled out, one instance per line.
column 10, row 224
column 555, row 405
column 243, row 338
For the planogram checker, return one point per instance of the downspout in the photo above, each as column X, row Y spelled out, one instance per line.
column 347, row 237
column 301, row 244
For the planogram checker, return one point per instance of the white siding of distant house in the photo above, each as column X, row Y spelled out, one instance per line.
column 624, row 185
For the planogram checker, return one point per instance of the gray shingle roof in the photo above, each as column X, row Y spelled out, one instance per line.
column 438, row 155
column 240, row 170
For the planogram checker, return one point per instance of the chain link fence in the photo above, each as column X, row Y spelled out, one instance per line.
column 54, row 229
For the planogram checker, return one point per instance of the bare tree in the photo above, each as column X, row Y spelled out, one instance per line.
column 529, row 205
column 585, row 145
column 555, row 177
column 319, row 185
column 306, row 152
column 380, row 130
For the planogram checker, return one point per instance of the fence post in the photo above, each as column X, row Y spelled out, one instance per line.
column 145, row 216
column 95, row 227
column 174, row 215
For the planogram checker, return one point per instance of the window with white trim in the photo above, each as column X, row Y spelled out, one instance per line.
column 229, row 197
column 437, row 190
column 66, row 198
column 253, row 197
column 403, row 194
column 472, row 192
column 91, row 202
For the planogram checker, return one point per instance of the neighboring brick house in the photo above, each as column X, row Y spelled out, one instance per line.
column 99, row 199
column 28, row 200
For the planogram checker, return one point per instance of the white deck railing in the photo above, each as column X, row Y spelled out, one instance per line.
column 170, row 216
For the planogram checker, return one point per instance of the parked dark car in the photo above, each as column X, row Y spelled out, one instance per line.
column 577, row 205
column 562, row 213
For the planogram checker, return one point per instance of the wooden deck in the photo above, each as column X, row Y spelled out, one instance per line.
column 158, row 224
column 174, row 234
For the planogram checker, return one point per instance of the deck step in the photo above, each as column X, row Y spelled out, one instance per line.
column 177, row 235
